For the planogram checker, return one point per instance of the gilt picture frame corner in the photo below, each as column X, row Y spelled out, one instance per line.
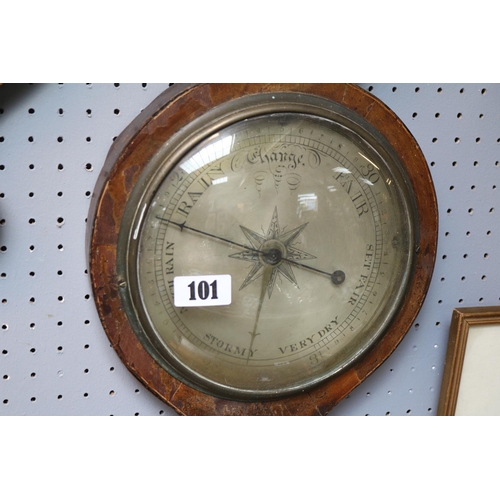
column 471, row 372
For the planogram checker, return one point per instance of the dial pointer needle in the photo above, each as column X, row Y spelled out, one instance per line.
column 265, row 281
column 183, row 226
column 336, row 277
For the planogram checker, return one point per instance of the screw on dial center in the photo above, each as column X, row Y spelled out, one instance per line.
column 338, row 277
column 272, row 252
column 273, row 256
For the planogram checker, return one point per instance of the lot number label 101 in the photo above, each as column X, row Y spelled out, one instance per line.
column 202, row 291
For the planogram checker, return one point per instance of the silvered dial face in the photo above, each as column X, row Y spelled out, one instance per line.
column 314, row 228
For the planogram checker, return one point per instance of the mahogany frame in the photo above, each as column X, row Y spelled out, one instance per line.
column 133, row 149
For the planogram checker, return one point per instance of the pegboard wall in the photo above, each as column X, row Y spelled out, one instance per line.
column 55, row 358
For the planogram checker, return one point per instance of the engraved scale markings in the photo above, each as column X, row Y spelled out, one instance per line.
column 181, row 200
column 192, row 178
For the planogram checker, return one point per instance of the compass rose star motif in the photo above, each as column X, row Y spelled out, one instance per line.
column 274, row 248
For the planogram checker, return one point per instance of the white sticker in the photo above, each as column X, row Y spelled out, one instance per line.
column 202, row 291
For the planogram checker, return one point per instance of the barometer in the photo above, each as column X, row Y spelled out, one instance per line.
column 261, row 249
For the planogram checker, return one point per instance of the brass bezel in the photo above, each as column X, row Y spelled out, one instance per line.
column 171, row 153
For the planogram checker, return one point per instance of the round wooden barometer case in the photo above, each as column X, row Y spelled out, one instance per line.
column 260, row 249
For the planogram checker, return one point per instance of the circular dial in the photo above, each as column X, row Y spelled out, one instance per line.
column 313, row 222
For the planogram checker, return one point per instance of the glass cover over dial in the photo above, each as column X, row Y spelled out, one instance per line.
column 312, row 223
